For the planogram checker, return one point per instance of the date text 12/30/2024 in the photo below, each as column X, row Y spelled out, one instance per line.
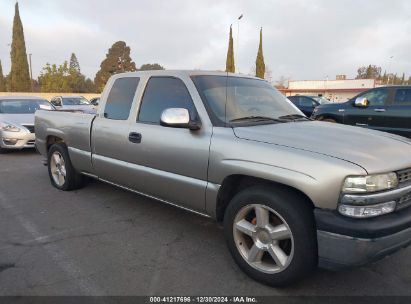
column 203, row 300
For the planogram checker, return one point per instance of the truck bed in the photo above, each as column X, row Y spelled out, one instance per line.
column 71, row 127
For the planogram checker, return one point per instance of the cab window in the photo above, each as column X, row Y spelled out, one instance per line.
column 403, row 97
column 162, row 93
column 376, row 97
column 120, row 99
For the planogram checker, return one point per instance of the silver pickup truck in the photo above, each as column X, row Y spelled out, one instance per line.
column 291, row 193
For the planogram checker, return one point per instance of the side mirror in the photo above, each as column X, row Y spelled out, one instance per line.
column 361, row 102
column 178, row 118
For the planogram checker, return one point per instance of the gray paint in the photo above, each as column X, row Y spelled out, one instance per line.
column 187, row 167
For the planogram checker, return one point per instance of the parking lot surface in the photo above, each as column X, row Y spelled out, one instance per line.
column 101, row 240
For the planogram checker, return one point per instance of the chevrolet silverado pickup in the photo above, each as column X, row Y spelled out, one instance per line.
column 291, row 193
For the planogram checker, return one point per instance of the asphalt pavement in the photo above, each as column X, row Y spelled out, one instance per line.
column 102, row 240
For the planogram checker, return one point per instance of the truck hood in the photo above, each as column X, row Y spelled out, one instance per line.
column 21, row 119
column 374, row 151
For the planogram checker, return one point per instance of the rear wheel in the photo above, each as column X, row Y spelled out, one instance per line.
column 271, row 235
column 62, row 174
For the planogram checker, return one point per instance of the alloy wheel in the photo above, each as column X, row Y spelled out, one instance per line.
column 58, row 168
column 263, row 238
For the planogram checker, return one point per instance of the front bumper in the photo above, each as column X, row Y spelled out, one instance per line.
column 17, row 140
column 339, row 251
column 346, row 242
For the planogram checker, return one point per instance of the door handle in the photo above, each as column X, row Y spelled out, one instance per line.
column 380, row 110
column 135, row 137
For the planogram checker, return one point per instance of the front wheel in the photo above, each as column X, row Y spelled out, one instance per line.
column 271, row 235
column 62, row 174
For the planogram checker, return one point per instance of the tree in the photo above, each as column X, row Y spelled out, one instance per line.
column 63, row 79
column 282, row 82
column 76, row 80
column 3, row 87
column 395, row 79
column 230, row 65
column 117, row 60
column 151, row 67
column 403, row 79
column 369, row 72
column 19, row 74
column 385, row 78
column 55, row 78
column 259, row 63
column 89, row 86
column 74, row 64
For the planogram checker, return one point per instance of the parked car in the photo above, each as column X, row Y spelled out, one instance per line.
column 307, row 104
column 73, row 103
column 290, row 196
column 17, row 121
column 95, row 101
column 385, row 108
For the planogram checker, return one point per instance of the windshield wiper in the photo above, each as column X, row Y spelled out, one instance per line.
column 294, row 117
column 256, row 118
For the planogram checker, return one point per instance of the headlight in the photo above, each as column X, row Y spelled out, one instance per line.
column 370, row 183
column 9, row 127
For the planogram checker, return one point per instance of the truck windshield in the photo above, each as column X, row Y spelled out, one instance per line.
column 24, row 106
column 236, row 100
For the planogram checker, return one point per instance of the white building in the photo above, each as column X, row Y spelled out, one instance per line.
column 339, row 90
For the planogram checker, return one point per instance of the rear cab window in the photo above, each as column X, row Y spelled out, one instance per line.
column 120, row 98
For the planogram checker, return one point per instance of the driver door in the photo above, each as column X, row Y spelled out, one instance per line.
column 373, row 116
column 164, row 162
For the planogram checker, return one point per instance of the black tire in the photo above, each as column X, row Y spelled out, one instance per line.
column 73, row 180
column 298, row 215
column 3, row 151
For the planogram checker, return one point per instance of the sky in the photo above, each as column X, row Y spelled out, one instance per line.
column 303, row 39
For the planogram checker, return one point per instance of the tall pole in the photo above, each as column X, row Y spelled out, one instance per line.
column 238, row 40
column 31, row 73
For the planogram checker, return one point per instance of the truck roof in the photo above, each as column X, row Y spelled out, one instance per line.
column 179, row 73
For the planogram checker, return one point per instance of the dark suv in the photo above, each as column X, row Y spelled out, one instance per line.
column 386, row 109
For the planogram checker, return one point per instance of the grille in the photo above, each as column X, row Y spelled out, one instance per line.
column 404, row 176
column 404, row 201
column 30, row 128
column 31, row 142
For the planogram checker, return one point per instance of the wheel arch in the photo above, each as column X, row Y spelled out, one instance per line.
column 235, row 183
column 53, row 139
